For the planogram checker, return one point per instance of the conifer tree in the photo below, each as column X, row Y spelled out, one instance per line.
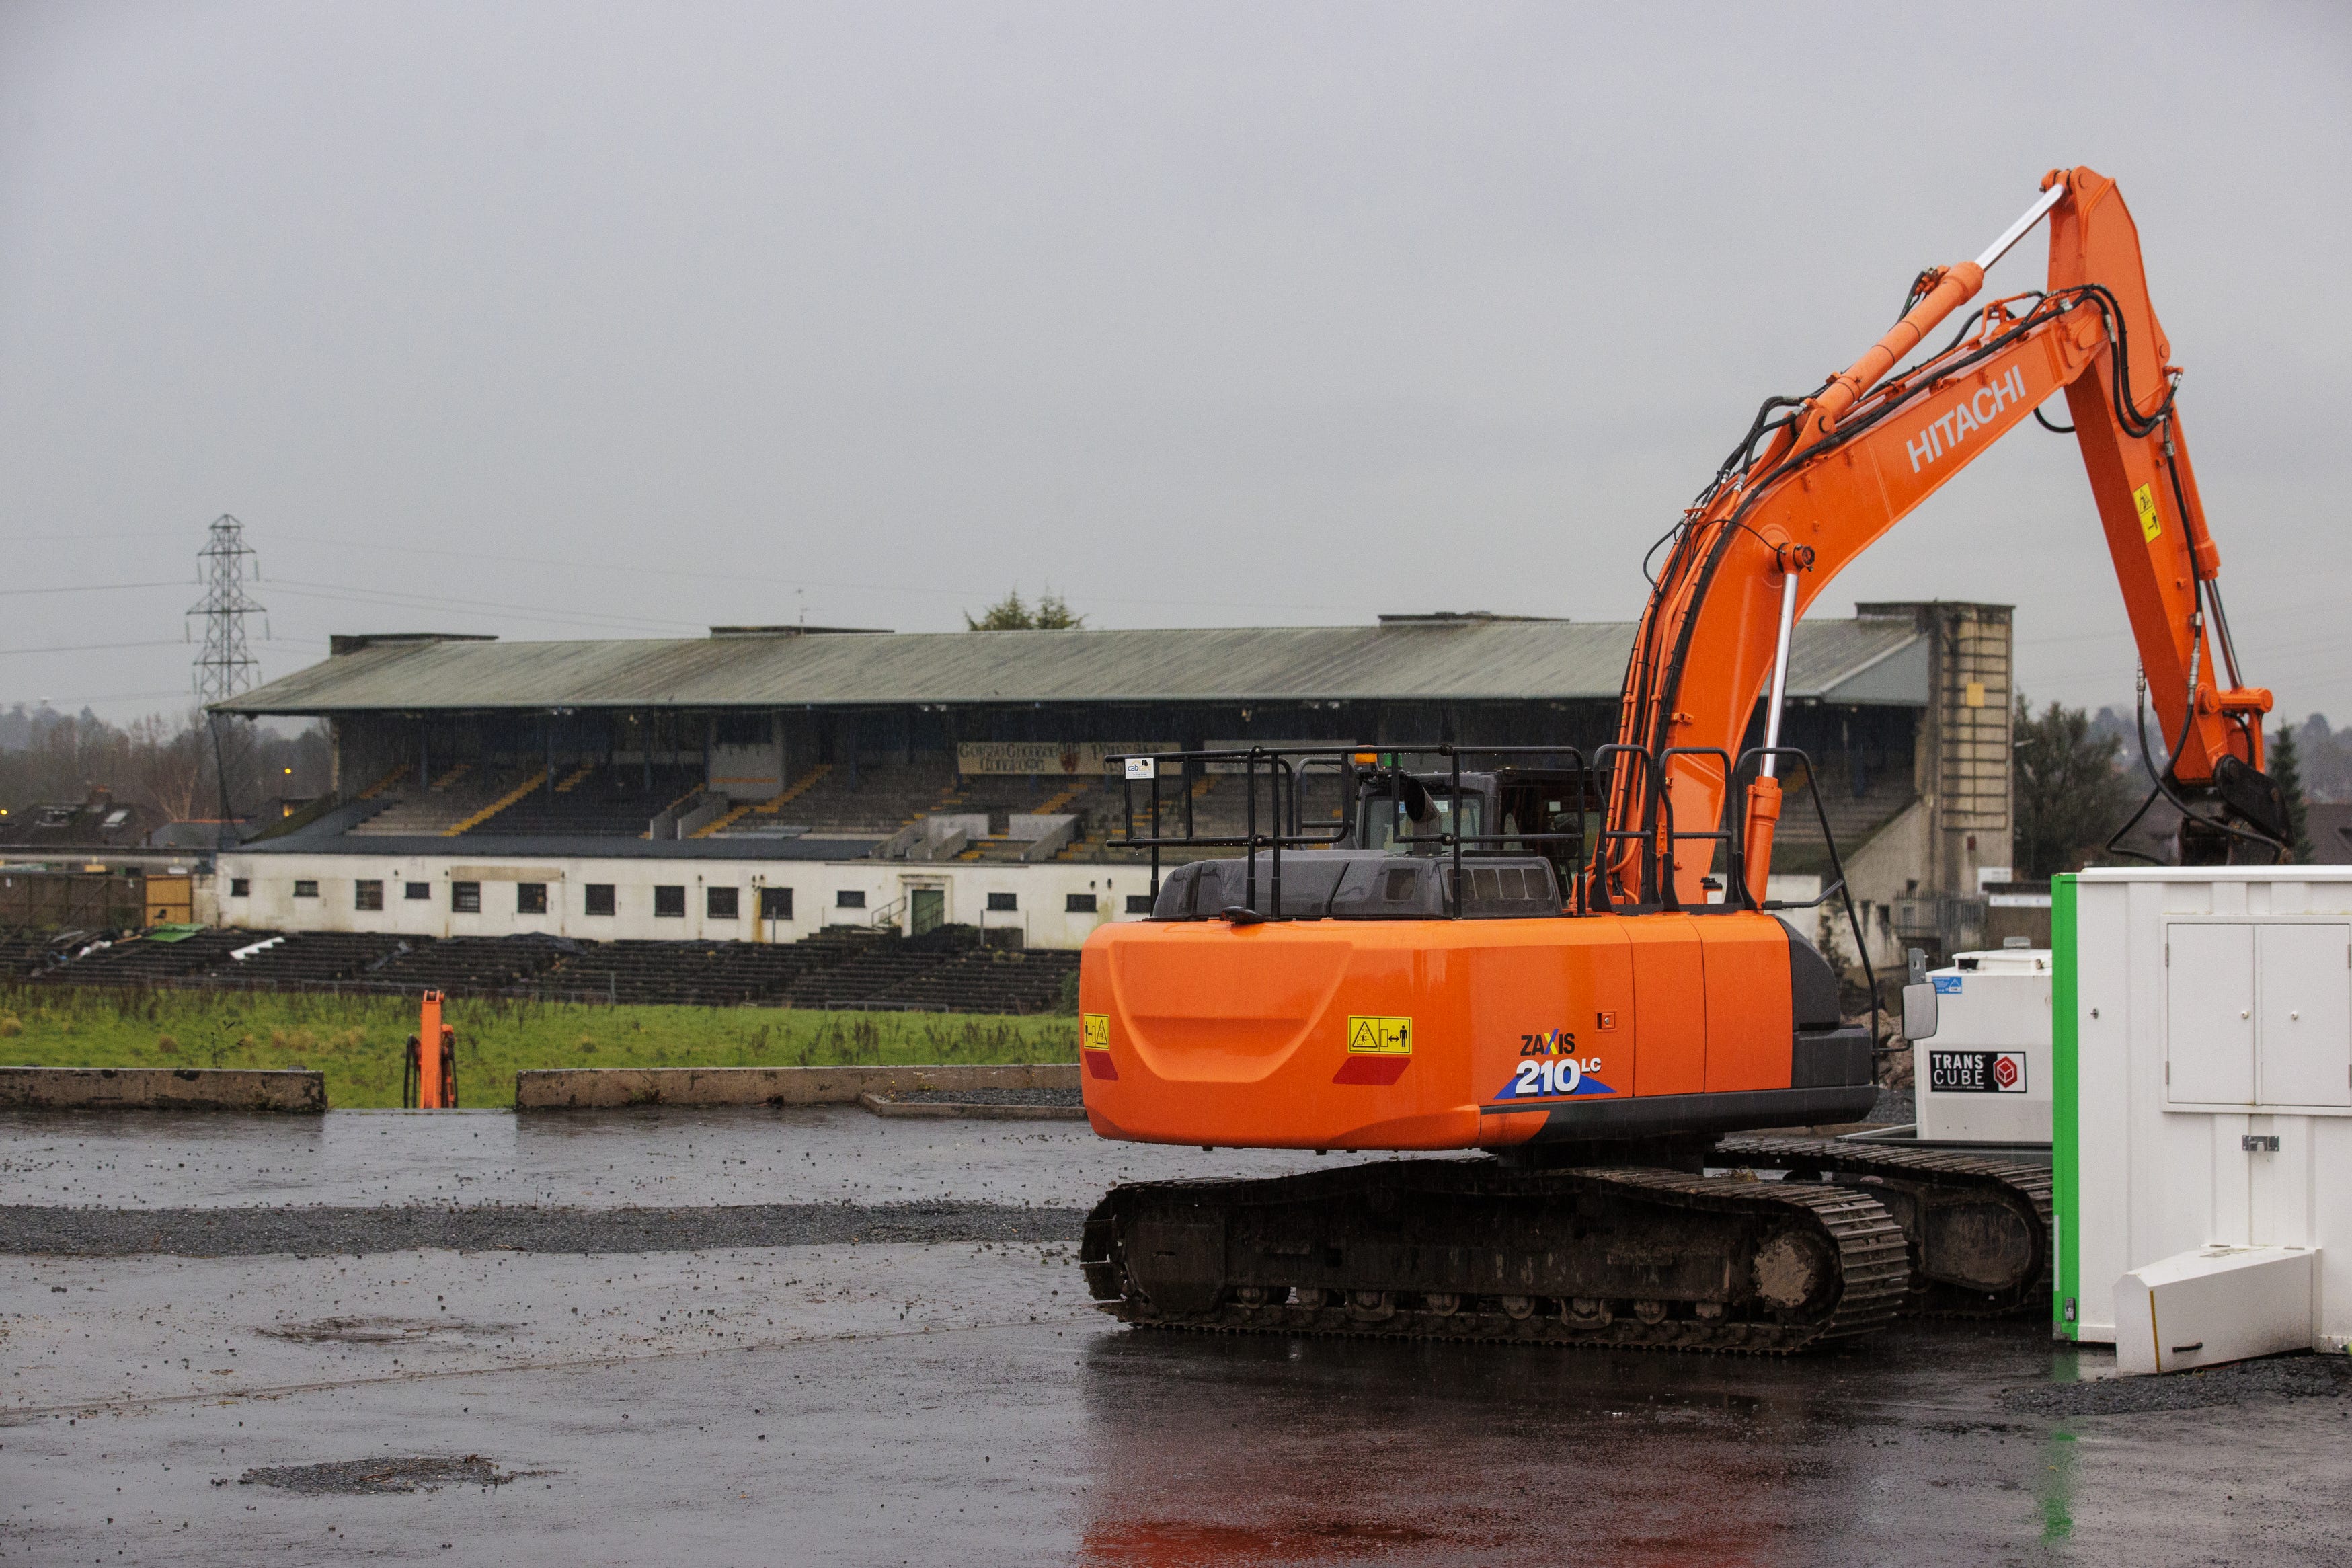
column 2286, row 771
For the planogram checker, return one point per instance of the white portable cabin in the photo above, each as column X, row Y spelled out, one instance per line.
column 2202, row 1146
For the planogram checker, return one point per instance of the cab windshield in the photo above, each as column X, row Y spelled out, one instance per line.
column 1385, row 822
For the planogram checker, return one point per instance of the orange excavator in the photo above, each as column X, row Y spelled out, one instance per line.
column 1575, row 967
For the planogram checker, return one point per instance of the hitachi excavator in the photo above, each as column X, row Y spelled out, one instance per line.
column 1602, row 999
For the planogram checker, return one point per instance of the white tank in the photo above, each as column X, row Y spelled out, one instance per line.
column 1984, row 1075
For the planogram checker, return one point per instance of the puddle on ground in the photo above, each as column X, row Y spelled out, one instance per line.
column 389, row 1331
column 381, row 1476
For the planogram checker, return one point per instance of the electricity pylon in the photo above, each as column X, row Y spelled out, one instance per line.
column 227, row 665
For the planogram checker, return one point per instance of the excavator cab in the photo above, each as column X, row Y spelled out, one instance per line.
column 1559, row 809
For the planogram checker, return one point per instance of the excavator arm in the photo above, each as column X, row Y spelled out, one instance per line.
column 1819, row 478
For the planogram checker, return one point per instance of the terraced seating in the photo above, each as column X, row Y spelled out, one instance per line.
column 145, row 961
column 1797, row 845
column 605, row 802
column 763, row 818
column 24, row 954
column 309, row 958
column 887, row 797
column 870, row 969
column 988, row 980
column 472, row 964
column 841, row 966
column 709, row 974
column 455, row 795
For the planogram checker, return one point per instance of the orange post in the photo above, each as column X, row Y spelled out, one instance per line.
column 433, row 1055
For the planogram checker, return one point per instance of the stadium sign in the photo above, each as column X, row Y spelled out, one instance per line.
column 1075, row 758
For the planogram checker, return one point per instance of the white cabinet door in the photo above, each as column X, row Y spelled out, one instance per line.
column 2209, row 994
column 2304, row 1008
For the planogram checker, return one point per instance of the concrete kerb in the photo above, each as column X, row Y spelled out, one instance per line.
column 614, row 1088
column 883, row 1105
column 162, row 1088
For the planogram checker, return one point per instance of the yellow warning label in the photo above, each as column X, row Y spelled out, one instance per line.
column 1097, row 1027
column 2150, row 525
column 1380, row 1036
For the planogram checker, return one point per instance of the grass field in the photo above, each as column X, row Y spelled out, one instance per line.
column 358, row 1041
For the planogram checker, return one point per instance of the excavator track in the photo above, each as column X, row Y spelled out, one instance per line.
column 1470, row 1249
column 1978, row 1228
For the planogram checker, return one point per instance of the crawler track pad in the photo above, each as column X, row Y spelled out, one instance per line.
column 1978, row 1228
column 1468, row 1249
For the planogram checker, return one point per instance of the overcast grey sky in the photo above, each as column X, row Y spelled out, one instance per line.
column 591, row 320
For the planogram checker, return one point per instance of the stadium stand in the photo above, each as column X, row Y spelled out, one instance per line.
column 163, row 955
column 301, row 958
column 1855, row 818
column 592, row 802
column 882, row 798
column 457, row 795
column 989, row 980
column 946, row 970
column 22, row 956
column 720, row 974
column 870, row 969
column 488, row 965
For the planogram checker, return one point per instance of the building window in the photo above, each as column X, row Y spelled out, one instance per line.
column 530, row 898
column 669, row 903
column 600, row 898
column 775, row 904
column 1077, row 904
column 1003, row 901
column 1138, row 903
column 367, row 895
column 719, row 903
column 416, row 892
column 241, row 887
column 306, row 890
column 466, row 897
column 849, row 899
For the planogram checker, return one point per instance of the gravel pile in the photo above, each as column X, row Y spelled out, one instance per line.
column 1894, row 1109
column 988, row 1097
column 2282, row 1378
column 239, row 1233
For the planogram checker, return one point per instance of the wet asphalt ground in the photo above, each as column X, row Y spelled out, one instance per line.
column 626, row 1388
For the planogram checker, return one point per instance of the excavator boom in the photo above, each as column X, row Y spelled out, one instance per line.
column 1843, row 465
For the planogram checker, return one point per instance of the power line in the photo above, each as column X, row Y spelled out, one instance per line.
column 98, row 646
column 97, row 587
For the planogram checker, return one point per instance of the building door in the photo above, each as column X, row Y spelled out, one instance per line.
column 927, row 909
column 775, row 907
column 168, row 901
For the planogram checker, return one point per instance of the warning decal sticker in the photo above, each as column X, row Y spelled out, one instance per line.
column 1379, row 1037
column 2150, row 525
column 1096, row 1035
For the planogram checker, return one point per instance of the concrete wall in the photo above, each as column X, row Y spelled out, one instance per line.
column 1040, row 894
column 1895, row 863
